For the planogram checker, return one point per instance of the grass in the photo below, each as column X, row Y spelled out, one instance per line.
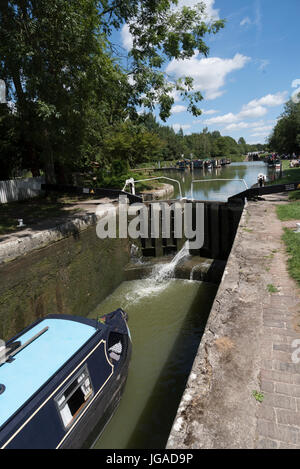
column 288, row 175
column 272, row 289
column 289, row 211
column 292, row 242
column 294, row 195
column 258, row 396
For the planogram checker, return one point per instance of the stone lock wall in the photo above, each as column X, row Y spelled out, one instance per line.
column 68, row 276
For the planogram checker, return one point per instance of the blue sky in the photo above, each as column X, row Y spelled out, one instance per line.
column 249, row 73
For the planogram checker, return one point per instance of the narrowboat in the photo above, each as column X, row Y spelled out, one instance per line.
column 198, row 164
column 207, row 164
column 216, row 163
column 181, row 165
column 61, row 380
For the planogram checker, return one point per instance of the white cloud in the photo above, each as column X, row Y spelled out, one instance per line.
column 127, row 40
column 209, row 74
column 247, row 125
column 295, row 83
column 178, row 108
column 258, row 16
column 258, row 107
column 225, row 119
column 260, row 134
column 209, row 112
column 263, row 129
column 245, row 21
column 270, row 100
column 177, row 127
column 259, row 139
column 253, row 111
column 263, row 64
column 237, row 126
column 255, row 108
column 210, row 12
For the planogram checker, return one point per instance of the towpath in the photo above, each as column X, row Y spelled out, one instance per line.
column 244, row 388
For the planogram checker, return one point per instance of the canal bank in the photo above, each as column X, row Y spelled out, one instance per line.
column 244, row 388
column 60, row 267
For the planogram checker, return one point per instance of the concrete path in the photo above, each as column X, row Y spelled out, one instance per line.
column 278, row 416
column 246, row 352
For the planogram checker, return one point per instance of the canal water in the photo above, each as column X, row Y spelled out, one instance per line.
column 219, row 190
column 166, row 321
column 167, row 318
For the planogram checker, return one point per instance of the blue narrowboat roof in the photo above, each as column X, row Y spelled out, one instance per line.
column 37, row 362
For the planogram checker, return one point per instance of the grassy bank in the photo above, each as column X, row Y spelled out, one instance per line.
column 292, row 242
column 288, row 174
column 289, row 211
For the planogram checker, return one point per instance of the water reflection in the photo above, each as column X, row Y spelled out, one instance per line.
column 219, row 190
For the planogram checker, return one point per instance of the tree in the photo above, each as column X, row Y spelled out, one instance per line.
column 69, row 85
column 285, row 137
column 56, row 66
column 160, row 31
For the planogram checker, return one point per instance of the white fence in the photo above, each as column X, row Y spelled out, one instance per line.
column 20, row 189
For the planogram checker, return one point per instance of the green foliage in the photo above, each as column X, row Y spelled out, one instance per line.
column 286, row 134
column 289, row 211
column 70, row 92
column 289, row 175
column 294, row 195
column 271, row 288
column 292, row 242
column 258, row 396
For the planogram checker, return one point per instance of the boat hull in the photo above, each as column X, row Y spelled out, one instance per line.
column 103, row 408
column 72, row 408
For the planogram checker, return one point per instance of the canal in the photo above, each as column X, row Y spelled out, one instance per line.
column 219, row 190
column 166, row 321
column 167, row 318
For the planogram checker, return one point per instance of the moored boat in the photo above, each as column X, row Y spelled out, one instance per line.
column 277, row 165
column 197, row 164
column 61, row 380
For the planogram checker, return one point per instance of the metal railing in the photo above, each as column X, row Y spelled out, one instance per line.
column 132, row 182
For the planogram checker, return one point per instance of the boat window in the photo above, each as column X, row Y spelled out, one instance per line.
column 74, row 397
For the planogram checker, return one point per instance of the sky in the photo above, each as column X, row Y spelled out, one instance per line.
column 252, row 68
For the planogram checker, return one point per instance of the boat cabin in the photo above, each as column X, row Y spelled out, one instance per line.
column 60, row 379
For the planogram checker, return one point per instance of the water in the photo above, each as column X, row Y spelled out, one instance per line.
column 219, row 190
column 163, row 272
column 166, row 320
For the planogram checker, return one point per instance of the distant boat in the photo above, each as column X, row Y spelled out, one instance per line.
column 277, row 165
column 216, row 163
column 197, row 164
column 207, row 164
column 61, row 380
